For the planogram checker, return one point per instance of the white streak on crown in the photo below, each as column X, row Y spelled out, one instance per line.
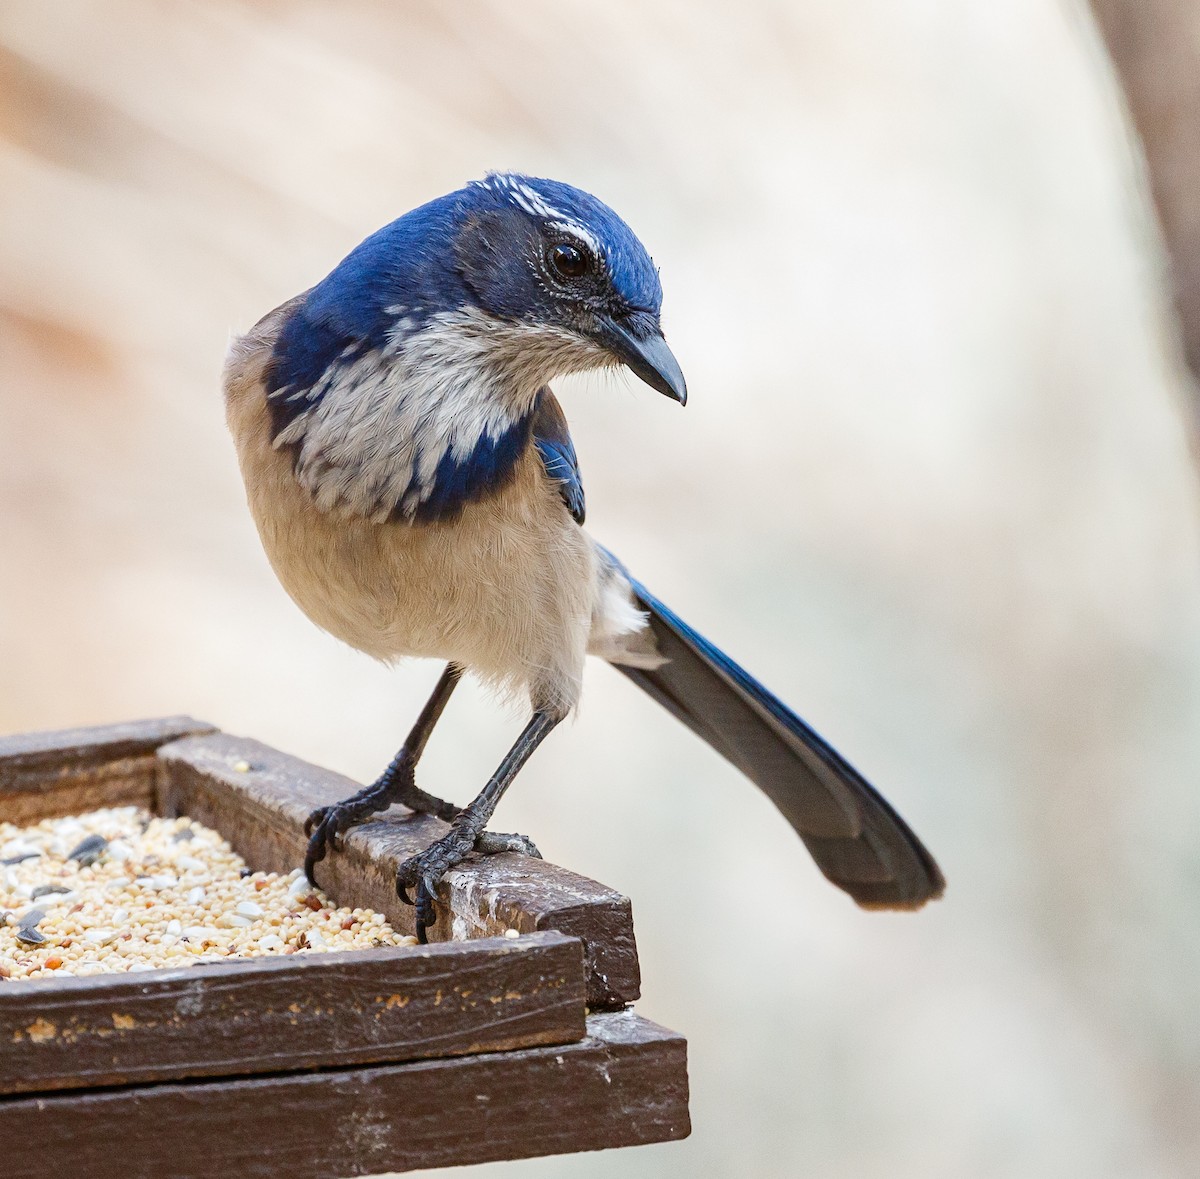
column 531, row 201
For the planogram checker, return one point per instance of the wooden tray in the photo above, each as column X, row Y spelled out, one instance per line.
column 466, row 1050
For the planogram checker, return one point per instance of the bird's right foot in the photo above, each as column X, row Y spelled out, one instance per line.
column 326, row 825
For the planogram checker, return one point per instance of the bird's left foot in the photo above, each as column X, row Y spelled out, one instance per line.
column 424, row 871
column 492, row 843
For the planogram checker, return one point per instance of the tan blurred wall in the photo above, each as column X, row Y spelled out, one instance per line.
column 1155, row 51
column 931, row 485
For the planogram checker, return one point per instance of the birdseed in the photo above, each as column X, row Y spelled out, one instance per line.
column 119, row 890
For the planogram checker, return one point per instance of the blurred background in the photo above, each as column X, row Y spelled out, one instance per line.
column 932, row 485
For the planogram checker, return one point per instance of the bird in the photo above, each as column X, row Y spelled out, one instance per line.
column 417, row 492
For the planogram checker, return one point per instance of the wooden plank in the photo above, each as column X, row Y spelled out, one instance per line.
column 299, row 1011
column 44, row 775
column 626, row 1084
column 261, row 811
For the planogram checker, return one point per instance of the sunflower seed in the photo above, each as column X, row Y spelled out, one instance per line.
column 27, row 930
column 45, row 890
column 89, row 850
column 19, row 857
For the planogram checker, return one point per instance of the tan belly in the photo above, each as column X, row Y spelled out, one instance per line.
column 507, row 589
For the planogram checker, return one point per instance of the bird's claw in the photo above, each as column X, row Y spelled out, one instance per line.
column 323, row 828
column 491, row 843
column 326, row 825
column 425, row 871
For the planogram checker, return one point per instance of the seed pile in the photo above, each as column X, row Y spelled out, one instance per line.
column 120, row 890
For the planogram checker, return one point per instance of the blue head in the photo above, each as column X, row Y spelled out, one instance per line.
column 406, row 382
column 545, row 253
column 536, row 254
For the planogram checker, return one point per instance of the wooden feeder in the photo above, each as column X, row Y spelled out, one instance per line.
column 468, row 1050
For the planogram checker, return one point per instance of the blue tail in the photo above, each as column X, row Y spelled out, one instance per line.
column 857, row 840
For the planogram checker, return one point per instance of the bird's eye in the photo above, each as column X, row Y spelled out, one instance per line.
column 568, row 261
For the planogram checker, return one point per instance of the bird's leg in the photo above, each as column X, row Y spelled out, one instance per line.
column 396, row 784
column 425, row 871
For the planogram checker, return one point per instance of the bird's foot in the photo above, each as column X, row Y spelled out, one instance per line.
column 492, row 843
column 325, row 826
column 424, row 872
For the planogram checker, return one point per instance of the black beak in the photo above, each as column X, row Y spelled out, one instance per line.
column 650, row 358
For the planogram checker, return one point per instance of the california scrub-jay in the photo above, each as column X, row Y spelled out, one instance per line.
column 417, row 493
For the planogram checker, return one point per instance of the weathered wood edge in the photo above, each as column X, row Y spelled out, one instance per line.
column 625, row 1085
column 46, row 774
column 70, row 749
column 301, row 1011
column 258, row 798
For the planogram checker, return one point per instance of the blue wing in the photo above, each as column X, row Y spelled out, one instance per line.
column 312, row 346
column 557, row 451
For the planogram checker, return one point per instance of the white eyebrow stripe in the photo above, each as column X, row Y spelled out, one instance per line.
column 531, row 201
column 576, row 230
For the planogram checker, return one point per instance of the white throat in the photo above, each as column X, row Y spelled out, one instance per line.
column 381, row 425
